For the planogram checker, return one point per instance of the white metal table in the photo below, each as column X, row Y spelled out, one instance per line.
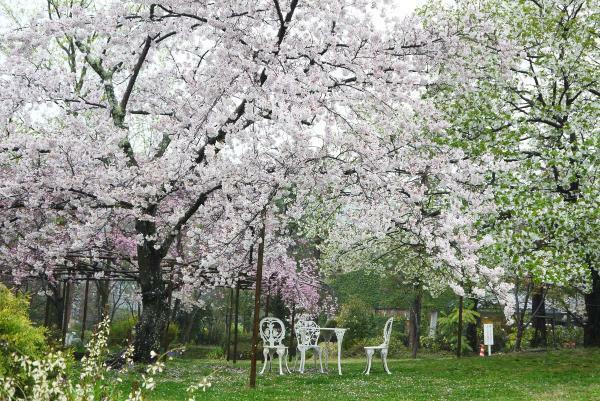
column 326, row 333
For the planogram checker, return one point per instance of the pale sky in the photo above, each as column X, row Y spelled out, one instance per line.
column 25, row 7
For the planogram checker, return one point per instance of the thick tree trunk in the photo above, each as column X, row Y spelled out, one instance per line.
column 55, row 309
column 155, row 299
column 292, row 349
column 538, row 312
column 520, row 315
column 191, row 317
column 415, row 323
column 472, row 337
column 103, row 303
column 591, row 330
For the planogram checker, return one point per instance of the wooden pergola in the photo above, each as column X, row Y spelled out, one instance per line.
column 111, row 266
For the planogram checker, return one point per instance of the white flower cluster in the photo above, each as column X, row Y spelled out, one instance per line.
column 194, row 388
column 49, row 378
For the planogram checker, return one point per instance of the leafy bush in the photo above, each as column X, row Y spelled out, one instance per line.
column 355, row 346
column 568, row 336
column 17, row 333
column 216, row 353
column 447, row 337
column 358, row 317
column 50, row 378
column 565, row 337
column 172, row 333
column 121, row 332
column 431, row 343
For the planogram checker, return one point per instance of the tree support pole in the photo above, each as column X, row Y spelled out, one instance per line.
column 460, row 327
column 257, row 294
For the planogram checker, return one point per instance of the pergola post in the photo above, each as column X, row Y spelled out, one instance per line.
column 47, row 309
column 66, row 311
column 85, row 305
column 235, row 325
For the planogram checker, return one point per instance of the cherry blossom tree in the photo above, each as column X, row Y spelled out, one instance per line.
column 147, row 125
column 519, row 88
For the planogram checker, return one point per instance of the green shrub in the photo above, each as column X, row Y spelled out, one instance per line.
column 567, row 336
column 216, row 353
column 172, row 333
column 17, row 333
column 431, row 343
column 525, row 341
column 121, row 331
column 358, row 317
column 447, row 337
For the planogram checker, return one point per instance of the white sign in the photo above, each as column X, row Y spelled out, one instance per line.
column 433, row 323
column 488, row 334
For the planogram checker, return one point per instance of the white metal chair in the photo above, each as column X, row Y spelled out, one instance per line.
column 382, row 348
column 272, row 333
column 307, row 336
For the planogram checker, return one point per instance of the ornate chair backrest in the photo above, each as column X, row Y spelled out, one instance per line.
column 272, row 331
column 387, row 331
column 307, row 332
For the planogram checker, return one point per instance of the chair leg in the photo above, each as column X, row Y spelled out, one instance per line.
column 384, row 353
column 296, row 359
column 370, row 353
column 270, row 361
column 280, row 353
column 321, row 360
column 287, row 355
column 265, row 354
column 302, row 360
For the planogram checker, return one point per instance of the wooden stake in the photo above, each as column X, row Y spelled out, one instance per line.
column 257, row 294
column 460, row 327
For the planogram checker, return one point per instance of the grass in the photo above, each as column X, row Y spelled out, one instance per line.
column 555, row 375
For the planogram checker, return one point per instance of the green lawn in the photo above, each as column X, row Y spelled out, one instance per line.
column 557, row 375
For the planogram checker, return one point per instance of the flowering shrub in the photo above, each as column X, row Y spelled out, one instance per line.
column 50, row 379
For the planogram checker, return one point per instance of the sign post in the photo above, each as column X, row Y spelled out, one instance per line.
column 488, row 336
